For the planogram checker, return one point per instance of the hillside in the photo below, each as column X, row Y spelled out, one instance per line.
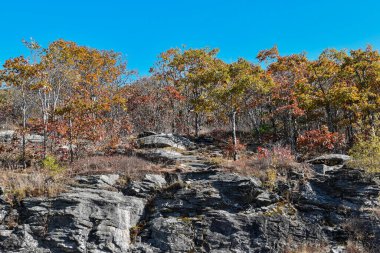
column 193, row 204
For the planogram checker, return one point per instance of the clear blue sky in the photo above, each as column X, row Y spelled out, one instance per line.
column 142, row 29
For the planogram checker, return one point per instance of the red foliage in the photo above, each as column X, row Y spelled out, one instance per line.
column 230, row 149
column 174, row 93
column 319, row 141
column 275, row 156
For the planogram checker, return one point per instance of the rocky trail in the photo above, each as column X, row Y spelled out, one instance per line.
column 199, row 208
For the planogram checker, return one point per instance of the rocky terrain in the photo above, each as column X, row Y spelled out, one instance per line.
column 201, row 208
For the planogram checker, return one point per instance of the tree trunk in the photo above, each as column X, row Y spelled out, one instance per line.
column 45, row 119
column 292, row 137
column 23, row 135
column 274, row 126
column 255, row 125
column 234, row 139
column 330, row 123
column 71, row 140
column 196, row 124
column 350, row 131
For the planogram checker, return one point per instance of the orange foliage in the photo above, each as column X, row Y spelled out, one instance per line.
column 319, row 141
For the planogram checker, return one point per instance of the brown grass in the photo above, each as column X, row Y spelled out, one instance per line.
column 244, row 166
column 38, row 182
column 354, row 247
column 18, row 185
column 129, row 166
column 308, row 248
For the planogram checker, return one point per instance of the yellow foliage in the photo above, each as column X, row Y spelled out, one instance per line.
column 51, row 164
column 366, row 154
column 271, row 178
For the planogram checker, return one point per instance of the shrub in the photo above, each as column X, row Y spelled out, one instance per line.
column 319, row 141
column 51, row 164
column 230, row 149
column 277, row 157
column 270, row 180
column 366, row 154
column 11, row 158
column 265, row 165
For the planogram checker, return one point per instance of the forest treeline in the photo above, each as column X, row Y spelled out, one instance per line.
column 72, row 94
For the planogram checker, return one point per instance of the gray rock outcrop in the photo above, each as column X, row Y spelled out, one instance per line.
column 90, row 217
column 165, row 140
column 199, row 211
column 7, row 135
column 330, row 162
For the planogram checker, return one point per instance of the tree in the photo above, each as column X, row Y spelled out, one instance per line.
column 240, row 78
column 21, row 75
column 86, row 76
column 6, row 105
column 366, row 153
column 289, row 74
column 193, row 72
column 361, row 70
column 324, row 79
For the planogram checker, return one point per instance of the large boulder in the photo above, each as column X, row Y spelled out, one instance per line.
column 325, row 163
column 160, row 155
column 165, row 140
column 7, row 135
column 91, row 216
column 330, row 159
column 34, row 138
column 146, row 187
column 146, row 134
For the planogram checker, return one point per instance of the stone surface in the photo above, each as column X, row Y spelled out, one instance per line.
column 145, row 134
column 34, row 138
column 7, row 135
column 89, row 217
column 330, row 162
column 164, row 140
column 330, row 159
column 201, row 210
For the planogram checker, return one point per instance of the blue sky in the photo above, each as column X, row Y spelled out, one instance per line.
column 142, row 29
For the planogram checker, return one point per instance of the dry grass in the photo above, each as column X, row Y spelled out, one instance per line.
column 354, row 247
column 244, row 166
column 251, row 166
column 362, row 237
column 308, row 248
column 31, row 183
column 277, row 158
column 129, row 166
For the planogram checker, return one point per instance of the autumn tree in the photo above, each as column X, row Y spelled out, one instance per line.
column 361, row 72
column 324, row 90
column 192, row 72
column 240, row 79
column 19, row 74
column 289, row 74
column 88, row 99
column 7, row 113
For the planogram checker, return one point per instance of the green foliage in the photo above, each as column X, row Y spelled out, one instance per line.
column 366, row 154
column 51, row 164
